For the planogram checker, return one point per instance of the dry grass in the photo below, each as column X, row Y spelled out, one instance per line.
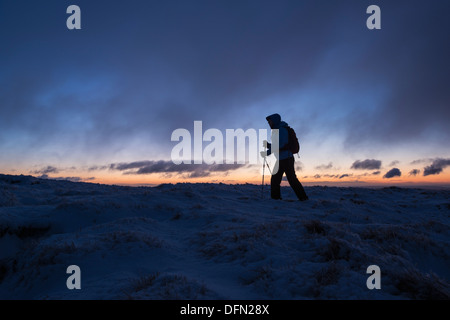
column 315, row 227
column 144, row 282
column 421, row 286
column 159, row 286
column 328, row 275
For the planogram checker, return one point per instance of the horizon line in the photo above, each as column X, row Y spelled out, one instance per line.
column 329, row 184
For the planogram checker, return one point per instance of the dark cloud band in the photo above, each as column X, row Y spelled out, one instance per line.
column 436, row 167
column 168, row 167
column 395, row 172
column 368, row 164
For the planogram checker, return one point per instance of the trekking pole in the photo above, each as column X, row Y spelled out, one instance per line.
column 262, row 187
column 270, row 171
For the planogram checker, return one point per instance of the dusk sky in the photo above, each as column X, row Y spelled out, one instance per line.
column 99, row 104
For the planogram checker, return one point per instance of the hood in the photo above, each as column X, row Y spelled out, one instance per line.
column 276, row 120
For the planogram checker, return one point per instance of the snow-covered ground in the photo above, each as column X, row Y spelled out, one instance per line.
column 217, row 241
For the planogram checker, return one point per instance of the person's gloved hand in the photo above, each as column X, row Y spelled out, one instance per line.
column 263, row 154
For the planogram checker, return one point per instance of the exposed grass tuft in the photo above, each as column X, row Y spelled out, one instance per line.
column 421, row 286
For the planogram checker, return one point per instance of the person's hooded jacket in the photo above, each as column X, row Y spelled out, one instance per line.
column 283, row 136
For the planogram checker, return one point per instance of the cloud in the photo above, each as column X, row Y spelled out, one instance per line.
column 395, row 172
column 168, row 167
column 422, row 161
column 369, row 164
column 416, row 96
column 345, row 175
column 325, row 166
column 46, row 170
column 98, row 110
column 89, row 108
column 72, row 179
column 298, row 165
column 375, row 173
column 97, row 168
column 414, row 172
column 394, row 163
column 436, row 167
column 156, row 166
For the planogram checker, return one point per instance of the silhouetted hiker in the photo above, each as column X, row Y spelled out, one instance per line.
column 285, row 161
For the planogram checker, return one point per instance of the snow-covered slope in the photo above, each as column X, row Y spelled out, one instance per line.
column 217, row 241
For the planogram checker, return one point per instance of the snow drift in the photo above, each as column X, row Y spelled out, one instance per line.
column 217, row 241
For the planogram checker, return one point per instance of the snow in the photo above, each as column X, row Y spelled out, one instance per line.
column 218, row 241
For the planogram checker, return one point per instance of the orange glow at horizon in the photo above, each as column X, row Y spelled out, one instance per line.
column 249, row 175
column 252, row 178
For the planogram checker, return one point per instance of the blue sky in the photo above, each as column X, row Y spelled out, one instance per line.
column 113, row 92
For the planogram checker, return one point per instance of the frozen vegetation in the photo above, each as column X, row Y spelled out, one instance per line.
column 217, row 241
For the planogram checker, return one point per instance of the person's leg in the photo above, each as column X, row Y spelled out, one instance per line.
column 293, row 180
column 275, row 182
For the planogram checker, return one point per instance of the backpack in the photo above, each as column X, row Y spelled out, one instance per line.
column 293, row 145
